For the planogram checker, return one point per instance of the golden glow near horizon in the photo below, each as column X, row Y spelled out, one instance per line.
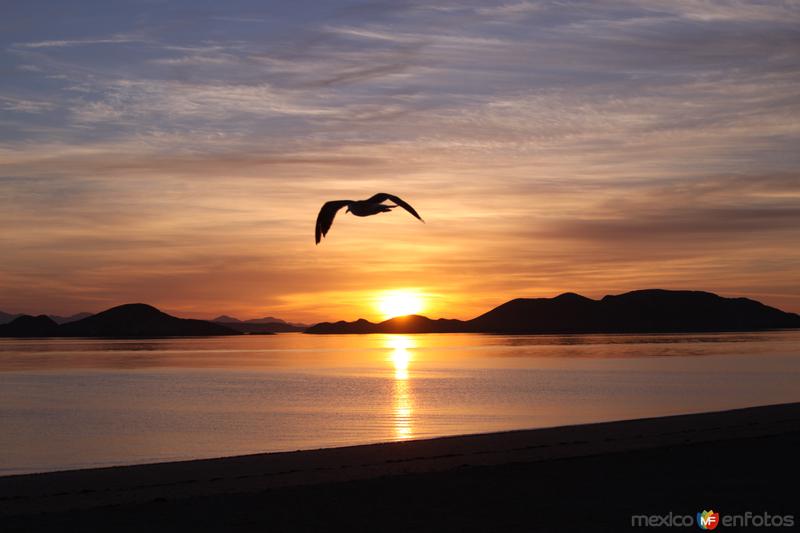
column 400, row 302
column 402, row 406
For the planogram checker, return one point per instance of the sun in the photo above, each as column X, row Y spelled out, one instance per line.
column 400, row 303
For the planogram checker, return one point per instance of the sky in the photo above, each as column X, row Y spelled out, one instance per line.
column 176, row 153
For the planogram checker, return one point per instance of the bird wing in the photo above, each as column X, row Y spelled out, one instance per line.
column 382, row 196
column 326, row 216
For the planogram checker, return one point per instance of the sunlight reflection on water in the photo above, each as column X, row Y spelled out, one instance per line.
column 403, row 409
column 83, row 402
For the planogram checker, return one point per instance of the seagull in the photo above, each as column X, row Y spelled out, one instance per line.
column 360, row 208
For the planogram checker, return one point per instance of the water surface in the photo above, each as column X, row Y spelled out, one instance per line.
column 74, row 403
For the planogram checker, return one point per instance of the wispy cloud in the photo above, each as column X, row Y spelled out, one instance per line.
column 22, row 105
column 64, row 43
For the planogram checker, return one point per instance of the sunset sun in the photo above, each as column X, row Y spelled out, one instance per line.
column 400, row 303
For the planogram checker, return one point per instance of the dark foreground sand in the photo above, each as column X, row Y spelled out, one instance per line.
column 578, row 478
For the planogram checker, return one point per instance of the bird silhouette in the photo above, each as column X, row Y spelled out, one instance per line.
column 360, row 208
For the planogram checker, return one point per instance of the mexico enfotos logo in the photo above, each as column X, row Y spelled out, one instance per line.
column 708, row 520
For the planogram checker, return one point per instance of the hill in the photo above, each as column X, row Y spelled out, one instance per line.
column 225, row 319
column 644, row 311
column 72, row 318
column 140, row 320
column 268, row 324
column 401, row 324
column 6, row 318
column 124, row 321
column 261, row 328
column 29, row 326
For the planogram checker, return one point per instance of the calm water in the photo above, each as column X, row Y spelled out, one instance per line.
column 70, row 403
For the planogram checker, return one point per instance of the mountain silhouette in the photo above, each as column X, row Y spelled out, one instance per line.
column 643, row 311
column 266, row 320
column 29, row 326
column 268, row 327
column 140, row 320
column 225, row 319
column 72, row 318
column 268, row 324
column 124, row 321
column 263, row 327
column 5, row 318
column 400, row 324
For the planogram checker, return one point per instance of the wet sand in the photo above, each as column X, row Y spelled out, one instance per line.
column 574, row 478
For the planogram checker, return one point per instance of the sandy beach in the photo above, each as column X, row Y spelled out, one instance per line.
column 587, row 477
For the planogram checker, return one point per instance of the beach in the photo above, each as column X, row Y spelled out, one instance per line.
column 584, row 477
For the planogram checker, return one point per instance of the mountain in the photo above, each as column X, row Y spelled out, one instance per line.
column 400, row 324
column 225, row 319
column 268, row 324
column 29, row 326
column 259, row 327
column 5, row 318
column 644, row 311
column 124, row 321
column 272, row 320
column 72, row 318
column 266, row 320
column 140, row 320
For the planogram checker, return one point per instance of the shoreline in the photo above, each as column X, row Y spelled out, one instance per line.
column 61, row 494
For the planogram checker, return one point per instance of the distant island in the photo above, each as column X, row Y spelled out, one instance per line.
column 40, row 326
column 124, row 321
column 643, row 311
column 5, row 318
column 267, row 324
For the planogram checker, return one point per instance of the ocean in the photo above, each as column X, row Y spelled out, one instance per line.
column 79, row 403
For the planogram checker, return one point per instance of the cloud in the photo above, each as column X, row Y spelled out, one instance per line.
column 585, row 146
column 22, row 105
column 510, row 9
column 730, row 10
column 61, row 43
